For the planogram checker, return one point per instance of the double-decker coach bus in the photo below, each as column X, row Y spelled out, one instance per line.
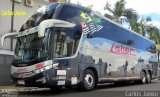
column 66, row 45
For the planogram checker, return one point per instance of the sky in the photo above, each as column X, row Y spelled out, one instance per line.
column 144, row 8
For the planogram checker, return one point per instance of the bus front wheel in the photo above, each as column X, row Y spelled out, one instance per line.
column 88, row 81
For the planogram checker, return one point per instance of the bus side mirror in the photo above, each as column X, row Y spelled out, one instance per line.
column 53, row 23
column 7, row 36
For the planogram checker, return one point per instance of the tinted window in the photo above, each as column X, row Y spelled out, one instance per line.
column 137, row 41
column 31, row 47
column 70, row 14
column 109, row 30
column 65, row 41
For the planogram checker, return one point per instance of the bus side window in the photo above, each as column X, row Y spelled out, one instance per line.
column 65, row 42
column 151, row 48
column 130, row 42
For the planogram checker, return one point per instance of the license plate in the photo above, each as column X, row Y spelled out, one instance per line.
column 21, row 82
column 61, row 72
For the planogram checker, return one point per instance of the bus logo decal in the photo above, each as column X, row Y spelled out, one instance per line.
column 83, row 25
column 121, row 49
column 86, row 17
column 84, row 28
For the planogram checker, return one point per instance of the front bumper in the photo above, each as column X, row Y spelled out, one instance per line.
column 47, row 78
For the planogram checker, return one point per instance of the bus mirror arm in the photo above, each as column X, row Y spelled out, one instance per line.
column 53, row 23
column 7, row 36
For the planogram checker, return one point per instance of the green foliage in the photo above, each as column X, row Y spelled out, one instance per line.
column 89, row 6
column 62, row 0
column 117, row 11
column 109, row 16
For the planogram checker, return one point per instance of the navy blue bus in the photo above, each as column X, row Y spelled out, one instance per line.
column 64, row 45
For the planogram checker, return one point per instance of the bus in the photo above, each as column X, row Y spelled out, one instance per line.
column 65, row 45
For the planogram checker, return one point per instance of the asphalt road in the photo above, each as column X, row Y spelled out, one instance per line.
column 107, row 90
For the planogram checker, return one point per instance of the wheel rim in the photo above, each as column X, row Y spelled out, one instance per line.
column 148, row 78
column 89, row 80
column 143, row 78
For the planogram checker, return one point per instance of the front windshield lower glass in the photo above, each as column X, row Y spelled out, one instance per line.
column 31, row 47
column 43, row 13
column 64, row 41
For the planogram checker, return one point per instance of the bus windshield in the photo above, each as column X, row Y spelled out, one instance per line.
column 43, row 13
column 60, row 42
column 31, row 47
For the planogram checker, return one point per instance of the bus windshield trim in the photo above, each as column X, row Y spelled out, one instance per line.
column 53, row 23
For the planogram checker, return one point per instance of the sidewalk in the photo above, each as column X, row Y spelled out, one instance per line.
column 13, row 88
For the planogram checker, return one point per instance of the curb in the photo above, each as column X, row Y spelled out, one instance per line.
column 21, row 89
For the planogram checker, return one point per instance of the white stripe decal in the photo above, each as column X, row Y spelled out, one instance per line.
column 29, row 68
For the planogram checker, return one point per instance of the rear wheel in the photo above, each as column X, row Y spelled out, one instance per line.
column 88, row 82
column 143, row 78
column 148, row 75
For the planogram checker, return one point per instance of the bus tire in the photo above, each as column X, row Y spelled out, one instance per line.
column 88, row 82
column 143, row 78
column 148, row 75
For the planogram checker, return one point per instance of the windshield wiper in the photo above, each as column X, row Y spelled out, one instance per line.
column 19, row 62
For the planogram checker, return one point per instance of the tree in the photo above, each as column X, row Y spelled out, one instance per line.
column 146, row 27
column 117, row 11
column 89, row 6
column 132, row 18
column 154, row 33
column 121, row 14
column 64, row 1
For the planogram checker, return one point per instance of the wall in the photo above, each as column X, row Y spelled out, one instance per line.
column 5, row 21
column 5, row 61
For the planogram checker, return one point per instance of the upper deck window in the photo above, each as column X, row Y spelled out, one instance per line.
column 70, row 14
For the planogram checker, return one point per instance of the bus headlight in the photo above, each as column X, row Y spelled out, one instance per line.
column 43, row 69
column 55, row 65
